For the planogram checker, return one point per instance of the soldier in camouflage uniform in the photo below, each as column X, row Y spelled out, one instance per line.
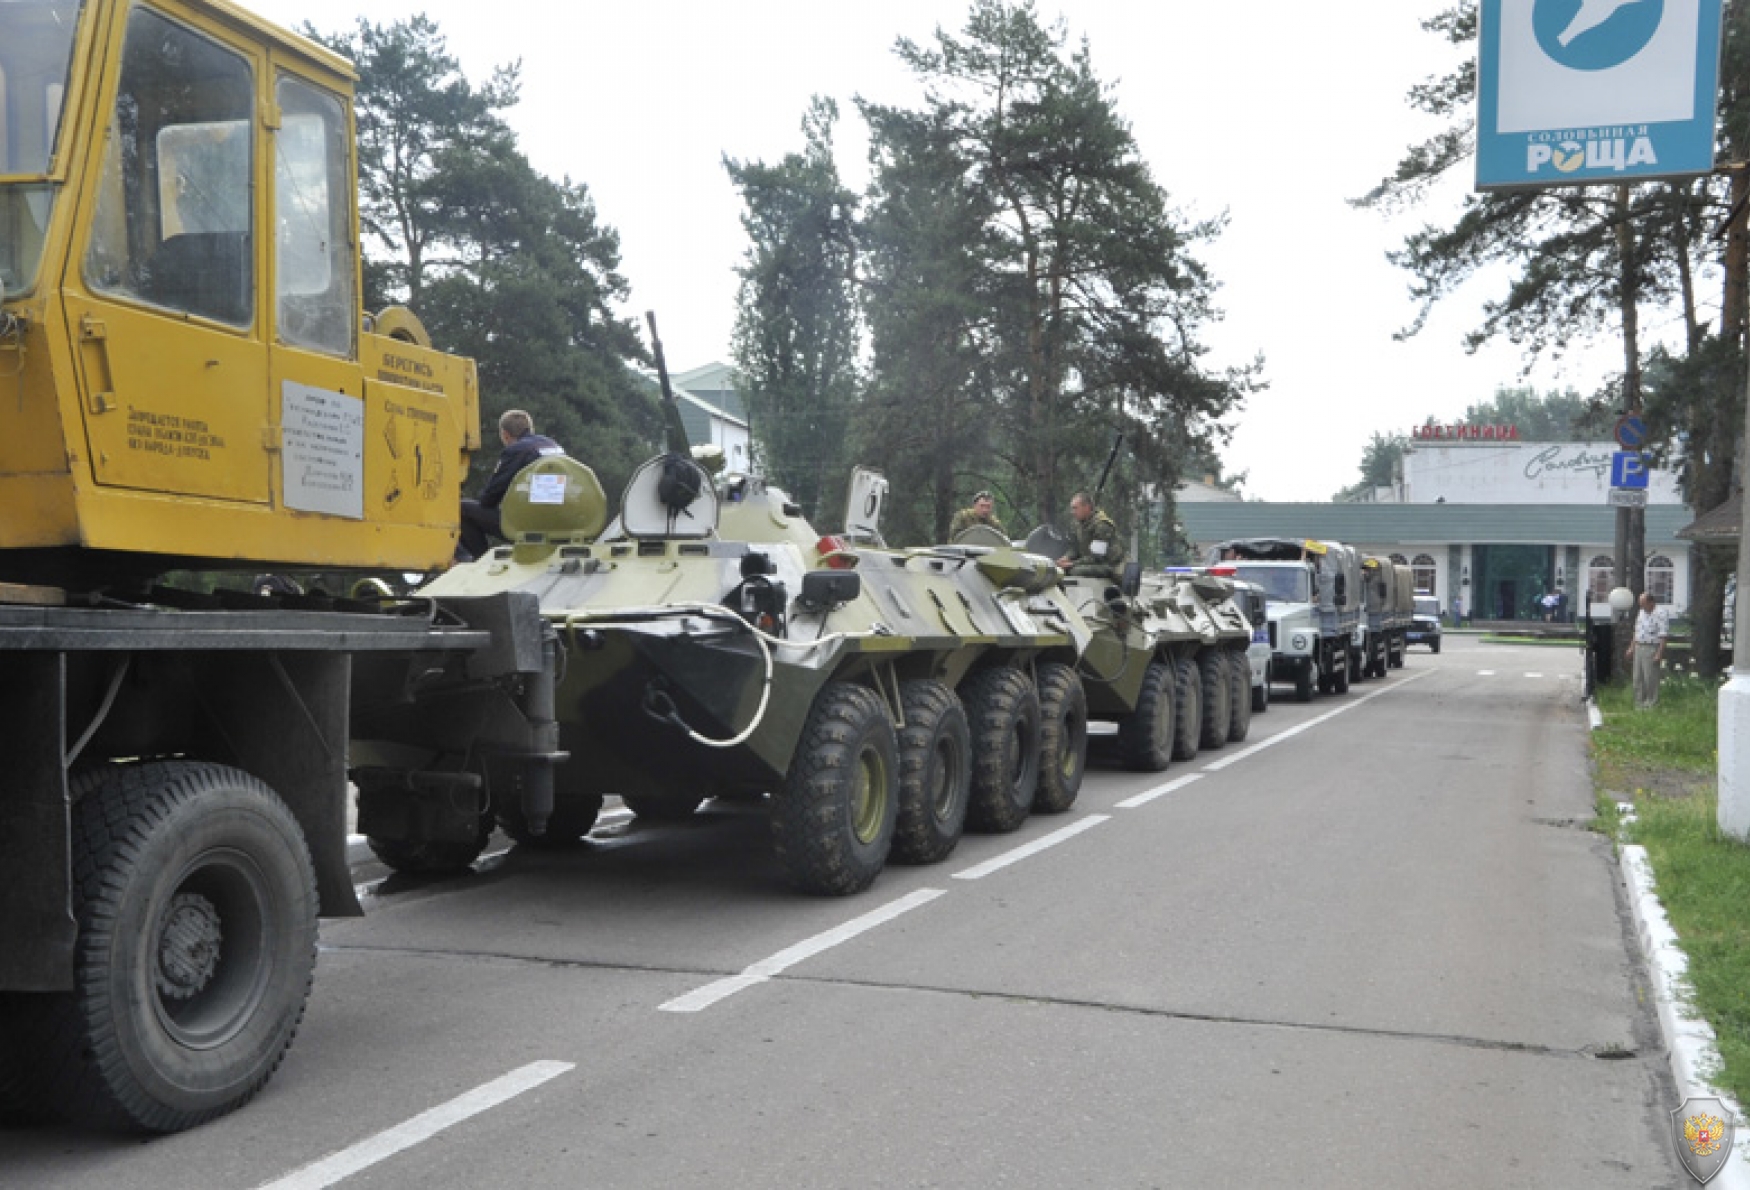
column 981, row 513
column 1097, row 552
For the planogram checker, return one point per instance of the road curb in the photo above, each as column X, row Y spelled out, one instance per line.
column 1689, row 1040
column 1593, row 715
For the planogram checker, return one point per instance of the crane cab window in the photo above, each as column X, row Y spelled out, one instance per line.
column 312, row 221
column 175, row 206
column 36, row 54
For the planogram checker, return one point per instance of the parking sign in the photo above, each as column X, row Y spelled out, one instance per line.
column 1628, row 469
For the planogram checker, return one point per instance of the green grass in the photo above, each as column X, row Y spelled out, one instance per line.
column 1665, row 759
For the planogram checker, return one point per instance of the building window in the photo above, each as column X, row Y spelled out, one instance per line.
column 1424, row 569
column 1599, row 576
column 1661, row 578
column 1399, row 560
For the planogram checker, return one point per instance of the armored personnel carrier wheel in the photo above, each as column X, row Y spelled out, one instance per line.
column 1261, row 694
column 1188, row 702
column 573, row 816
column 1002, row 709
column 1215, row 683
column 832, row 826
column 1304, row 677
column 935, row 773
column 196, row 904
column 429, row 857
column 1063, row 738
column 1145, row 736
column 1239, row 698
column 670, row 805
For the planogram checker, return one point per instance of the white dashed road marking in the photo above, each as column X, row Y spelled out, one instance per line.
column 711, row 993
column 339, row 1166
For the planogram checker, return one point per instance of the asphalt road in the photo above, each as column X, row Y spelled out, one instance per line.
column 1373, row 945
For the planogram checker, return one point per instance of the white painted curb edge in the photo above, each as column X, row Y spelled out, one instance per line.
column 1689, row 1040
column 1594, row 715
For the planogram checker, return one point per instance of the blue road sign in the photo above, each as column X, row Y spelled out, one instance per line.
column 1631, row 431
column 1585, row 91
column 1628, row 469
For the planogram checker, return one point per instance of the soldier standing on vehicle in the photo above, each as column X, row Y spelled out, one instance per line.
column 1097, row 552
column 481, row 518
column 982, row 512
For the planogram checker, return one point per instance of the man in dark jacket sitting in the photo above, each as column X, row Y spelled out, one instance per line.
column 482, row 518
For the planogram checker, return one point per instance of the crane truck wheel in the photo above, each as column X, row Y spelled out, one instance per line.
column 1188, row 698
column 1145, row 736
column 1239, row 696
column 832, row 826
column 1003, row 710
column 1063, row 738
column 670, row 805
column 196, row 903
column 935, row 773
column 1213, row 680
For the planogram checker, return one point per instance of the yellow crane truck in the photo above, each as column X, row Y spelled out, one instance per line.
column 188, row 382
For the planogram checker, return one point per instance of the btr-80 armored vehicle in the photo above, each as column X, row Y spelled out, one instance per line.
column 1166, row 660
column 715, row 645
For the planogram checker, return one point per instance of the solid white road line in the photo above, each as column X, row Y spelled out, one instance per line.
column 422, row 1127
column 765, row 969
column 979, row 871
column 1485, row 673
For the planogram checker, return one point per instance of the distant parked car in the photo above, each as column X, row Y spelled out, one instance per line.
column 1425, row 623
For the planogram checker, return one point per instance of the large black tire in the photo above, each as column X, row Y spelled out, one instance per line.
column 196, row 903
column 1063, row 738
column 1002, row 709
column 1261, row 693
column 428, row 857
column 832, row 826
column 1188, row 702
column 1239, row 696
column 1340, row 674
column 935, row 773
column 1305, row 678
column 1355, row 665
column 1145, row 736
column 1435, row 647
column 671, row 805
column 570, row 824
column 1214, row 684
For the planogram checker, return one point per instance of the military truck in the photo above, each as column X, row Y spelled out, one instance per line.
column 191, row 384
column 1387, row 609
column 717, row 646
column 1314, row 598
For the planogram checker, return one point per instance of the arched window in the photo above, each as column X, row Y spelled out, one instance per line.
column 1400, row 560
column 1661, row 578
column 1424, row 568
column 1599, row 576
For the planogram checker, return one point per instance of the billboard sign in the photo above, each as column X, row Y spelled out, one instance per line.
column 1574, row 92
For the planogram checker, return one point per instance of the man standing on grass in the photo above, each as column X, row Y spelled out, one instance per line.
column 1647, row 651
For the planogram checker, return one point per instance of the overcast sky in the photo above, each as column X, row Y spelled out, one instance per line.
column 1274, row 112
